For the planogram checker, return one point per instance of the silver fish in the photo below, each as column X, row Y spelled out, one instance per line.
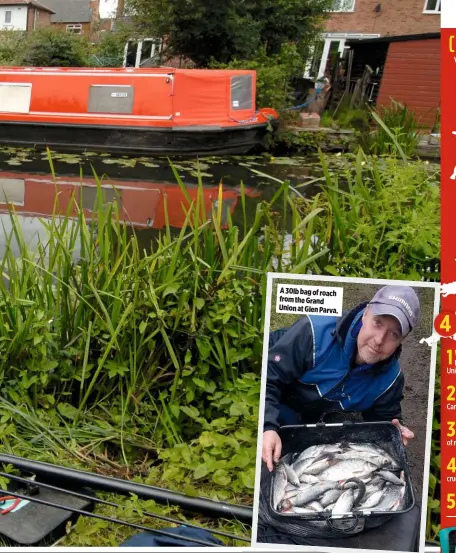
column 340, row 478
column 291, row 493
column 347, row 469
column 330, row 497
column 309, row 453
column 291, row 475
column 377, row 480
column 316, row 450
column 312, row 493
column 308, row 479
column 373, row 488
column 390, row 477
column 318, row 467
column 330, row 507
column 280, row 484
column 391, row 499
column 372, row 500
column 377, row 460
column 344, row 504
column 291, row 488
column 303, row 510
column 301, row 467
column 374, row 450
column 316, row 506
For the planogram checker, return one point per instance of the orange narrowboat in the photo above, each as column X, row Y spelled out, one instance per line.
column 129, row 110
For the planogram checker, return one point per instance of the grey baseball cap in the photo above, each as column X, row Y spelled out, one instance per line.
column 400, row 302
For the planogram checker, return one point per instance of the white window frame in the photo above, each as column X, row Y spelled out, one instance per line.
column 157, row 45
column 335, row 37
column 340, row 10
column 10, row 17
column 437, row 10
column 73, row 27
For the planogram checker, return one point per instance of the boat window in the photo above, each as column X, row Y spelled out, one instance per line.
column 12, row 191
column 241, row 92
column 111, row 98
column 88, row 197
column 15, row 97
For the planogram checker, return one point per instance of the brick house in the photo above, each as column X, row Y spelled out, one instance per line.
column 24, row 15
column 387, row 50
column 76, row 16
column 354, row 20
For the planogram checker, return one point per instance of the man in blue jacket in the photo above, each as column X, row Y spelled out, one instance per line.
column 348, row 363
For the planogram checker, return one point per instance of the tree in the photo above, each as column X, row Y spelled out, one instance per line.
column 12, row 46
column 109, row 51
column 48, row 47
column 205, row 30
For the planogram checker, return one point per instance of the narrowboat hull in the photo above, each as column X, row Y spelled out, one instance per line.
column 192, row 140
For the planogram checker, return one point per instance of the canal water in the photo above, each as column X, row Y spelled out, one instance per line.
column 29, row 181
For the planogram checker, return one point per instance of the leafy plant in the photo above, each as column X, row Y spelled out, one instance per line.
column 109, row 51
column 396, row 128
column 373, row 226
column 149, row 361
column 274, row 74
column 48, row 47
column 202, row 31
column 12, row 44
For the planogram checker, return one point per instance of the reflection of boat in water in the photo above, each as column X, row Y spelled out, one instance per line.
column 141, row 204
column 128, row 110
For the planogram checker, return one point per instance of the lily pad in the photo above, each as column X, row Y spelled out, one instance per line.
column 121, row 162
column 201, row 173
column 14, row 162
column 70, row 161
column 211, row 160
column 202, row 166
column 148, row 164
column 110, row 161
column 284, row 161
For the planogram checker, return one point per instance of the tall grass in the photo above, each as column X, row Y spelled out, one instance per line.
column 111, row 352
column 397, row 131
column 88, row 318
column 382, row 219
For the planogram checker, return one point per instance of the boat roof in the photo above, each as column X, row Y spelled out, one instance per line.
column 123, row 70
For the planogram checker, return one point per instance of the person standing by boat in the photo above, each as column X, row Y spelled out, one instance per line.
column 345, row 364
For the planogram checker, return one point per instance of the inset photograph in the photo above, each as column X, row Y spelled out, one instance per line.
column 346, row 414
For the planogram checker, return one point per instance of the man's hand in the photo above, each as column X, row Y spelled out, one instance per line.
column 407, row 434
column 272, row 448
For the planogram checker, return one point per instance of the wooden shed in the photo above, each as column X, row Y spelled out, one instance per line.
column 412, row 76
column 410, row 73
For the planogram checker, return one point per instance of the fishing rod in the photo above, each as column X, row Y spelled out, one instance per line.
column 34, row 499
column 75, row 477
column 113, row 504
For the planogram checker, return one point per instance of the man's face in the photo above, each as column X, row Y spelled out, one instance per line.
column 378, row 339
